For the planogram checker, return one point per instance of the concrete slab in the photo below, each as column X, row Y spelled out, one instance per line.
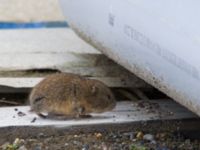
column 125, row 112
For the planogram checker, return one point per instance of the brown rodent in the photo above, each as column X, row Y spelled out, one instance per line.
column 70, row 95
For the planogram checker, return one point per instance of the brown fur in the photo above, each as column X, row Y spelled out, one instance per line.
column 70, row 95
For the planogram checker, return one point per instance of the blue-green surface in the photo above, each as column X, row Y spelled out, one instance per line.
column 13, row 25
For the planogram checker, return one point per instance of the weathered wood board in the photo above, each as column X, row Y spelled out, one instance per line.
column 44, row 48
column 110, row 81
column 42, row 40
column 41, row 48
column 125, row 112
column 59, row 49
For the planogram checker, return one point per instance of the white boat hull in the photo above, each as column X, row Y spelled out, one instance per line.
column 159, row 41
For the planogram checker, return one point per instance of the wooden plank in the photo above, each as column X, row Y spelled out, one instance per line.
column 45, row 48
column 58, row 49
column 110, row 81
column 61, row 61
column 89, row 71
column 50, row 40
column 125, row 112
column 100, row 71
column 30, row 10
column 140, row 94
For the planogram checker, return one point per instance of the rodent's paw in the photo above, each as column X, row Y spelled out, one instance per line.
column 42, row 115
column 55, row 116
column 85, row 116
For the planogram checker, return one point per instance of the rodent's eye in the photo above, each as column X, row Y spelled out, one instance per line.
column 38, row 99
column 109, row 97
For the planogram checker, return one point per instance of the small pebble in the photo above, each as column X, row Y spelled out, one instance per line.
column 98, row 135
column 139, row 135
column 148, row 137
column 76, row 143
column 85, row 147
column 153, row 142
column 66, row 144
column 162, row 148
column 187, row 141
column 160, row 136
column 16, row 109
column 104, row 146
column 21, row 114
column 22, row 148
column 41, row 135
column 129, row 135
column 171, row 113
column 38, row 147
column 18, row 142
column 32, row 140
column 5, row 145
column 134, row 140
column 75, row 135
column 33, row 120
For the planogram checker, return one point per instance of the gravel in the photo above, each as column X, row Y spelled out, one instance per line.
column 104, row 141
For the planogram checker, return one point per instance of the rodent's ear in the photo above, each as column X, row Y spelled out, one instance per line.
column 94, row 89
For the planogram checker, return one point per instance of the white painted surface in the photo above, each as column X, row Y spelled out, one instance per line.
column 159, row 41
column 124, row 112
